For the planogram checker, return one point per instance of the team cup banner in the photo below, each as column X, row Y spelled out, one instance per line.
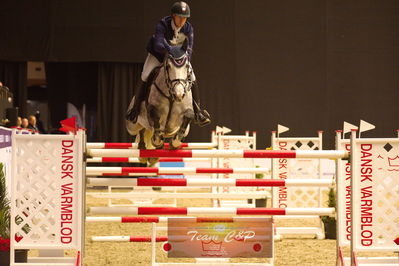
column 220, row 238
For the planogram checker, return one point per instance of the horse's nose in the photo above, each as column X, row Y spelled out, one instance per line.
column 179, row 93
column 179, row 97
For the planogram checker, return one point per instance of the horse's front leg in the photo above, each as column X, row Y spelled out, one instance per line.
column 141, row 145
column 158, row 137
column 178, row 138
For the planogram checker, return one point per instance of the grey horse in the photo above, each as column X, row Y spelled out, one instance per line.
column 168, row 110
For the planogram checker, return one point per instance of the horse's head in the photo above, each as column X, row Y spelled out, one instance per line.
column 177, row 69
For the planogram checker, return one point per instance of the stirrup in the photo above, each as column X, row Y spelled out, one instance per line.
column 133, row 115
column 202, row 118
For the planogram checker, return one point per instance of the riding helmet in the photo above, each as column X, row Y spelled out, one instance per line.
column 181, row 9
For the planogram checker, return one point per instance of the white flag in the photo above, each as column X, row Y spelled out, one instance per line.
column 281, row 129
column 222, row 130
column 364, row 126
column 348, row 127
column 226, row 130
column 219, row 130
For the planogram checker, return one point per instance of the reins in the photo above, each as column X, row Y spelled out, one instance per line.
column 170, row 84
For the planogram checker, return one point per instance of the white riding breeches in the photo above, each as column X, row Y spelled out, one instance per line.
column 152, row 62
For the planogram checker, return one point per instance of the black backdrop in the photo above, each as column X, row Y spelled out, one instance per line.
column 308, row 64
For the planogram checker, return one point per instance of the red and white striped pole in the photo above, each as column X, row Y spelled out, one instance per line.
column 163, row 219
column 181, row 195
column 158, row 238
column 98, row 171
column 127, row 238
column 129, row 145
column 112, row 160
column 185, row 160
column 136, row 160
column 210, row 211
column 200, row 182
column 310, row 154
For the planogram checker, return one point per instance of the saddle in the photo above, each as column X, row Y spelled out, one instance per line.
column 153, row 75
column 151, row 79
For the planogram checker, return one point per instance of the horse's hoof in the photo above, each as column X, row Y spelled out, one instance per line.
column 141, row 146
column 157, row 142
column 152, row 161
column 175, row 143
column 143, row 160
column 158, row 146
column 171, row 147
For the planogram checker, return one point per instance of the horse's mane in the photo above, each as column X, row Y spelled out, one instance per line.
column 177, row 55
column 179, row 62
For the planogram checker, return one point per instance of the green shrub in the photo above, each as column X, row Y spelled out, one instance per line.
column 4, row 206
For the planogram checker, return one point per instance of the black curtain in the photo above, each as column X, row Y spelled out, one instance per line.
column 116, row 85
column 75, row 83
column 308, row 64
column 14, row 76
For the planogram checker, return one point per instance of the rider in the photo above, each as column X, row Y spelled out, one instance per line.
column 173, row 30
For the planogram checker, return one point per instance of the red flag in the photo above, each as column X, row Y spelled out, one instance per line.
column 396, row 241
column 69, row 125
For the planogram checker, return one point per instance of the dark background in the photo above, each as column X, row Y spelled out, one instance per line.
column 309, row 65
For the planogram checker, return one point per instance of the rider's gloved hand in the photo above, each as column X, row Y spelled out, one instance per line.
column 167, row 45
column 176, row 51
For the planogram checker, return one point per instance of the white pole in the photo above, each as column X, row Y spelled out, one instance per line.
column 153, row 243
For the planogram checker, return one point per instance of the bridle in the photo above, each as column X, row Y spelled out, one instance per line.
column 172, row 83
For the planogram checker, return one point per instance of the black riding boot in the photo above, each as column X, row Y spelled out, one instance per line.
column 133, row 114
column 201, row 117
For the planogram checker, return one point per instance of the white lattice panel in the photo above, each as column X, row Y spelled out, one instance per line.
column 47, row 191
column 375, row 194
column 292, row 197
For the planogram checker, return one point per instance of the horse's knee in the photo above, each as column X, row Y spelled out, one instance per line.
column 133, row 129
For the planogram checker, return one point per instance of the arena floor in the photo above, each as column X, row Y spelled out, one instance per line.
column 287, row 252
column 306, row 251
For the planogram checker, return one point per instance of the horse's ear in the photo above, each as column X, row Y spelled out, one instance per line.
column 185, row 45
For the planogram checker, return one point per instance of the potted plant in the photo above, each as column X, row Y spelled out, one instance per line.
column 20, row 255
column 259, row 203
column 330, row 228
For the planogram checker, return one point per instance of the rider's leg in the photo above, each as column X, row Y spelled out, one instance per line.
column 140, row 94
column 201, row 117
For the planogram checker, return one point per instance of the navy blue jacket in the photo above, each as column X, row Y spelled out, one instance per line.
column 164, row 31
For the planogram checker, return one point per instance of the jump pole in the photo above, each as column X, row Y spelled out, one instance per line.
column 199, row 182
column 163, row 219
column 127, row 239
column 96, row 171
column 157, row 239
column 209, row 211
column 309, row 154
column 180, row 195
column 129, row 145
column 136, row 160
